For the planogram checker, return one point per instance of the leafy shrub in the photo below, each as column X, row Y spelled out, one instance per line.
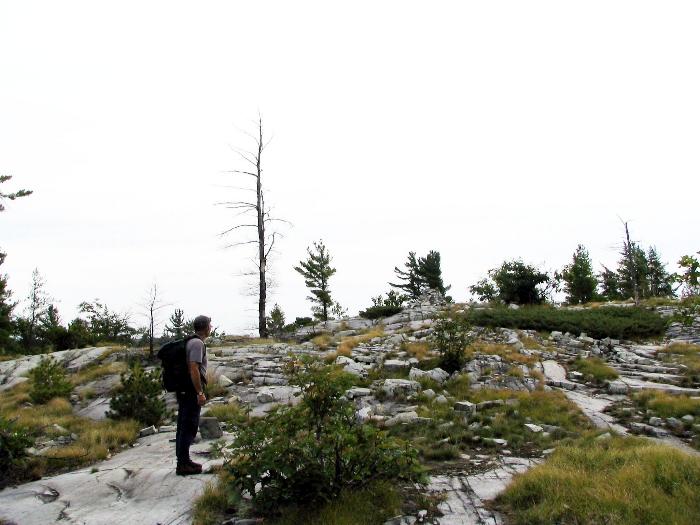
column 139, row 397
column 514, row 282
column 13, row 442
column 618, row 323
column 48, row 381
column 451, row 337
column 310, row 453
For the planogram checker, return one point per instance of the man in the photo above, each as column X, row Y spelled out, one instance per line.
column 191, row 401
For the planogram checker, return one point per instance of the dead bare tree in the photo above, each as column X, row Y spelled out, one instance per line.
column 152, row 305
column 629, row 254
column 261, row 220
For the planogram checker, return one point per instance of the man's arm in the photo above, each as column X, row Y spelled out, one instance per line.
column 196, row 381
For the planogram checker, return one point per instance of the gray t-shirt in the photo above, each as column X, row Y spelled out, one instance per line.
column 197, row 353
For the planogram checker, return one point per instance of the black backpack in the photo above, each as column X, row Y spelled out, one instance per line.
column 173, row 357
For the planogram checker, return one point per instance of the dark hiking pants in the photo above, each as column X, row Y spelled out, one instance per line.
column 187, row 424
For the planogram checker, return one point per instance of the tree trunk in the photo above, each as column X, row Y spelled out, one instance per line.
column 262, row 258
column 633, row 267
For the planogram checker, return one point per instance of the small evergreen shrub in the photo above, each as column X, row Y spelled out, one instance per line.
column 387, row 306
column 307, row 454
column 617, row 323
column 451, row 337
column 139, row 397
column 48, row 381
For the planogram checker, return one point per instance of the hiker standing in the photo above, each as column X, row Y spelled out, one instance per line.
column 191, row 400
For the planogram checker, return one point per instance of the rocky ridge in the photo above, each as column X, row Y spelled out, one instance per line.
column 253, row 376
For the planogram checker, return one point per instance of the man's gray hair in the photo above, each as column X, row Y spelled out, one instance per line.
column 201, row 322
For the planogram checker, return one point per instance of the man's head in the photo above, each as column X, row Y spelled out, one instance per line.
column 202, row 325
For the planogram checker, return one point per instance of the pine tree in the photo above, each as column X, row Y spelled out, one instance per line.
column 275, row 321
column 660, row 282
column 690, row 278
column 317, row 271
column 37, row 306
column 177, row 325
column 633, row 272
column 411, row 284
column 6, row 306
column 430, row 273
column 609, row 284
column 580, row 281
column 11, row 196
column 420, row 274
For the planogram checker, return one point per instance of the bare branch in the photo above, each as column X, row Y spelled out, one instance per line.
column 243, row 173
column 238, row 226
column 240, row 243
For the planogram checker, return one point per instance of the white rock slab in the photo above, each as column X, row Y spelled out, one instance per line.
column 138, row 485
column 465, row 495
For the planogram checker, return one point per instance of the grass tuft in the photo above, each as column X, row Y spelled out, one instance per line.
column 625, row 481
column 594, row 370
column 664, row 404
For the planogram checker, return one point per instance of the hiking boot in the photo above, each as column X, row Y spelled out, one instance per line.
column 187, row 469
column 190, row 462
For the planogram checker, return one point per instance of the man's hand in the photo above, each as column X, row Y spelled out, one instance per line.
column 201, row 399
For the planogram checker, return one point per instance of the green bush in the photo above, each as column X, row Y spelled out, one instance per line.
column 13, row 442
column 48, row 381
column 514, row 282
column 310, row 453
column 451, row 337
column 384, row 306
column 375, row 312
column 139, row 397
column 617, row 323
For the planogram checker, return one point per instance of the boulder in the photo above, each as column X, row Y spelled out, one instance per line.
column 224, row 381
column 395, row 365
column 436, row 374
column 209, row 428
column 148, row 431
column 395, row 387
column 535, row 429
column 364, row 414
column 350, row 366
column 466, row 407
column 617, row 387
column 357, row 392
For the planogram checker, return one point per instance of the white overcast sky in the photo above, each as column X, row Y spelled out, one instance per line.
column 484, row 130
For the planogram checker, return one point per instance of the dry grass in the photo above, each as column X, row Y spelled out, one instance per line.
column 347, row 344
column 228, row 413
column 213, row 388
column 94, row 373
column 507, row 353
column 216, row 501
column 96, row 439
column 624, row 481
column 687, row 355
column 530, row 343
column 323, row 341
column 664, row 404
column 594, row 370
column 420, row 351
